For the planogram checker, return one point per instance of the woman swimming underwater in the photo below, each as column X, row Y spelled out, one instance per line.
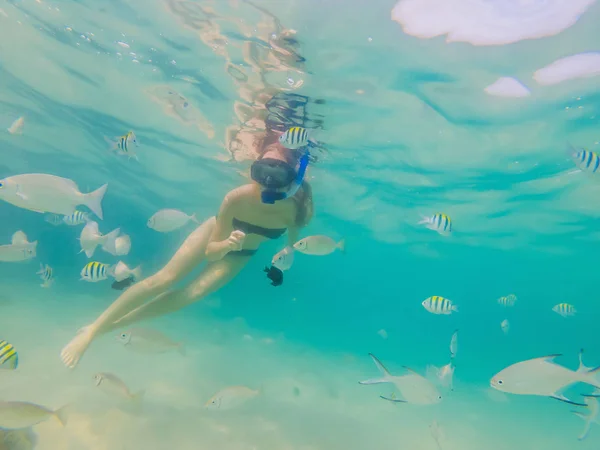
column 278, row 200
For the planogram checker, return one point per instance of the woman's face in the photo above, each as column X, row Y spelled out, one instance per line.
column 276, row 151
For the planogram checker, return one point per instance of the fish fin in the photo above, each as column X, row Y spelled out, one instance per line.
column 41, row 271
column 562, row 398
column 393, row 400
column 582, row 366
column 193, row 218
column 89, row 253
column 374, row 381
column 424, row 220
column 580, row 415
column 342, row 245
column 455, row 308
column 109, row 241
column 62, row 414
column 19, row 238
column 386, row 374
column 93, row 200
column 591, row 395
column 137, row 273
column 19, row 193
column 433, row 373
column 410, row 370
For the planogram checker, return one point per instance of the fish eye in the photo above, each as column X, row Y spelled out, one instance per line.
column 439, row 397
column 500, row 381
column 185, row 105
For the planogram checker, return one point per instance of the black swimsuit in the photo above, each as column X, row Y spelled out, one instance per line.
column 248, row 228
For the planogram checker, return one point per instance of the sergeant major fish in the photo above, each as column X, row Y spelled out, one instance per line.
column 95, row 271
column 294, row 138
column 46, row 274
column 438, row 222
column 586, row 160
column 439, row 305
column 9, row 358
column 122, row 145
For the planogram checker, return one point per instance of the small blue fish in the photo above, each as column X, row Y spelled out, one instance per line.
column 46, row 274
column 95, row 271
column 438, row 222
column 9, row 358
column 586, row 160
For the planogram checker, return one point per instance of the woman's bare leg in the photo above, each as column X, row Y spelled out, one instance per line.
column 213, row 277
column 190, row 254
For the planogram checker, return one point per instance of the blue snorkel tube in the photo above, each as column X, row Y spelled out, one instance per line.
column 271, row 197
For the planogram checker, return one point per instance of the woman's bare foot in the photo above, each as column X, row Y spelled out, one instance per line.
column 74, row 350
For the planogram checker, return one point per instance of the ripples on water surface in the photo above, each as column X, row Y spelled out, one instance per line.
column 464, row 108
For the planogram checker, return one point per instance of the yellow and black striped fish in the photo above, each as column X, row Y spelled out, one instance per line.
column 46, row 274
column 438, row 222
column 95, row 271
column 77, row 218
column 564, row 309
column 586, row 160
column 439, row 305
column 509, row 300
column 9, row 358
column 294, row 138
column 123, row 144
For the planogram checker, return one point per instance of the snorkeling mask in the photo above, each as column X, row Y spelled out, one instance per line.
column 276, row 174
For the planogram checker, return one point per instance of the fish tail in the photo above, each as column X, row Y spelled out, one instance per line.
column 109, row 241
column 342, row 245
column 193, row 218
column 424, row 220
column 592, row 377
column 112, row 143
column 386, row 375
column 41, row 271
column 62, row 414
column 454, row 308
column 93, row 200
column 137, row 273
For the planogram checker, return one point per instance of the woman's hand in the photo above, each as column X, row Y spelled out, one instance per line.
column 235, row 241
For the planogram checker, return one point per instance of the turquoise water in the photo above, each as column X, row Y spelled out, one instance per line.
column 406, row 128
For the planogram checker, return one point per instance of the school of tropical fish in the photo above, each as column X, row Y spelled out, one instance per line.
column 59, row 201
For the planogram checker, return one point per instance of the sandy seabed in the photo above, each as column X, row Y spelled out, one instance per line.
column 309, row 400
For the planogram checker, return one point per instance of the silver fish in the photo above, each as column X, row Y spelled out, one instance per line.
column 114, row 386
column 20, row 249
column 231, row 397
column 541, row 376
column 147, row 340
column 16, row 415
column 414, row 388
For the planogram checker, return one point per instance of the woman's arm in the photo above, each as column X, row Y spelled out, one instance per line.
column 221, row 241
